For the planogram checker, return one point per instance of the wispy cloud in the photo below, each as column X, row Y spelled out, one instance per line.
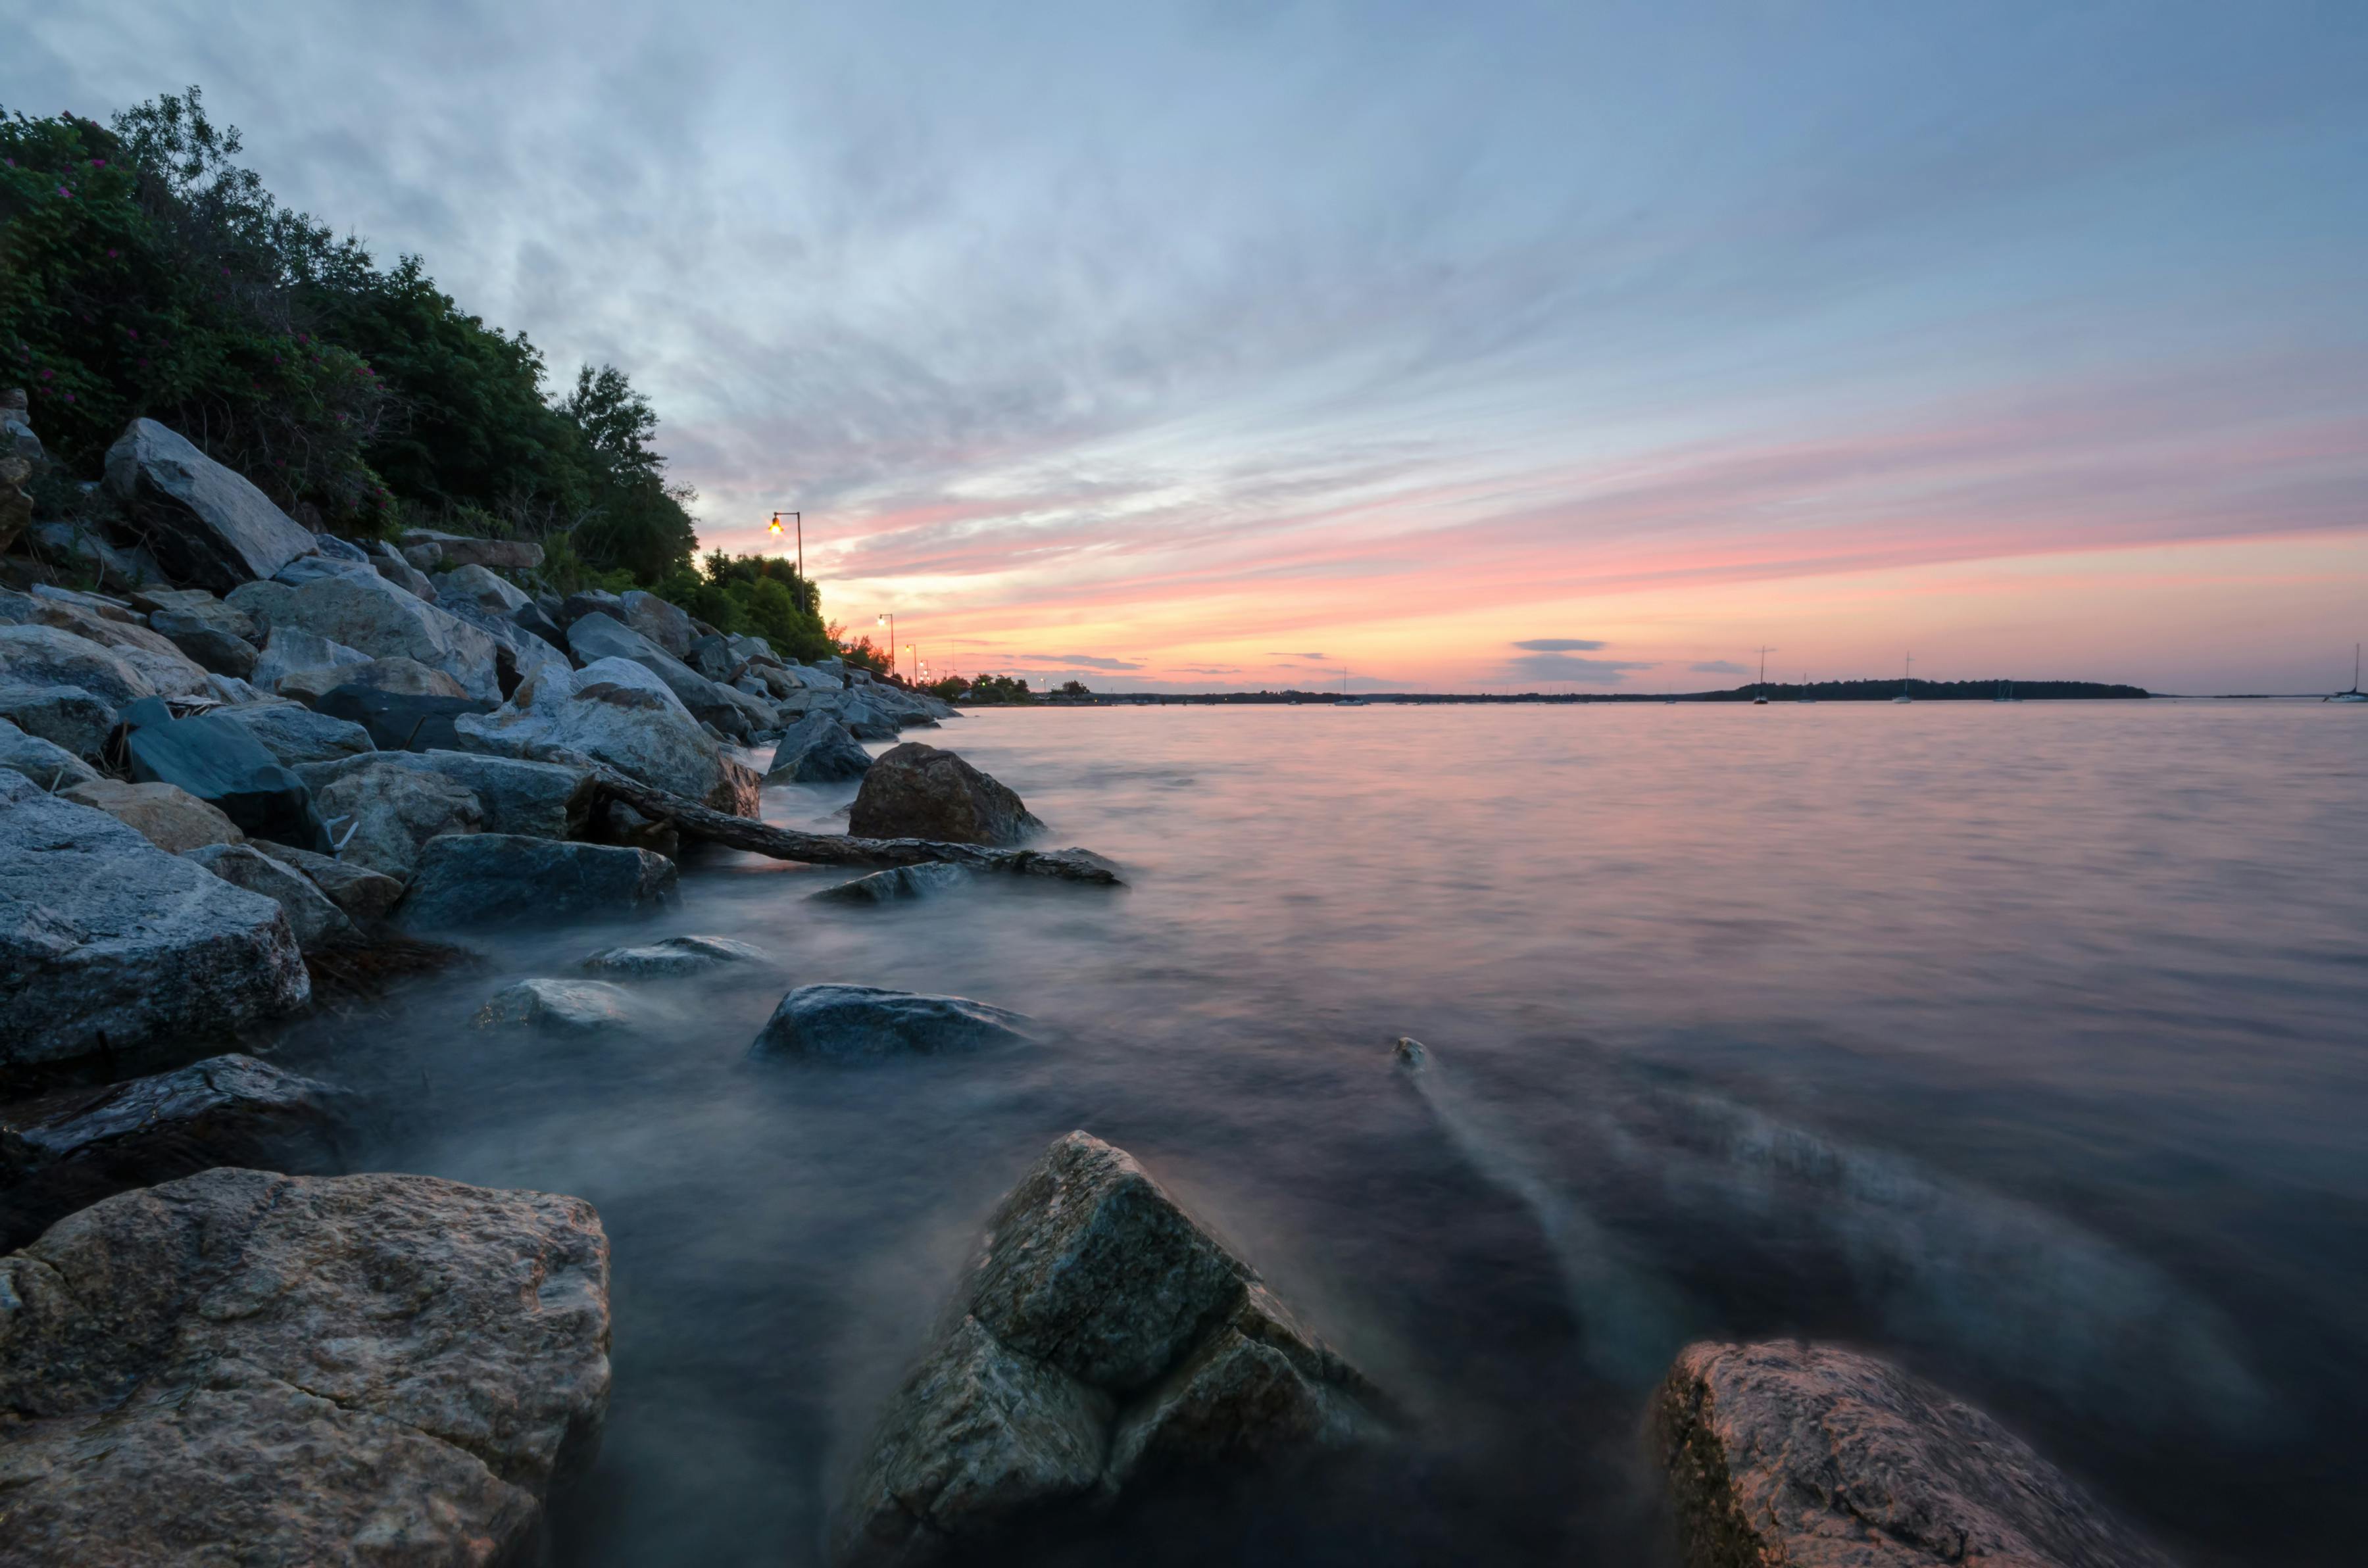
column 1718, row 668
column 1560, row 644
column 1551, row 667
column 1079, row 661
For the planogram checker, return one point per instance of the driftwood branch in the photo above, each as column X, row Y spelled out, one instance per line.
column 695, row 821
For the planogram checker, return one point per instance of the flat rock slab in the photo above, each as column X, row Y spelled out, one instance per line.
column 674, row 957
column 1817, row 1458
column 295, row 735
column 330, row 1370
column 1102, row 1341
column 568, row 1006
column 502, row 879
column 917, row 792
column 898, row 884
column 219, row 763
column 850, row 1023
column 87, row 1144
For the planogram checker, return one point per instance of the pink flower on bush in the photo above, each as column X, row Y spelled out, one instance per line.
column 69, row 397
column 47, row 374
column 64, row 192
column 112, row 253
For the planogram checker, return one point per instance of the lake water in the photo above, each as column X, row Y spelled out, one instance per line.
column 2025, row 1044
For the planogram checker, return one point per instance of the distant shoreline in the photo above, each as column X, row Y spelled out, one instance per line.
column 1828, row 691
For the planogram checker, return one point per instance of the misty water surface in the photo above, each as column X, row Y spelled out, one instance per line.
column 2023, row 1044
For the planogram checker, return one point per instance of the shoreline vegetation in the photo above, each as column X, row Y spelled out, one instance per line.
column 328, row 641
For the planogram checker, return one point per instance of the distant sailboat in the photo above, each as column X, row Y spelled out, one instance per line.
column 1761, row 700
column 2355, row 694
column 1347, row 701
column 1806, row 694
column 1907, row 680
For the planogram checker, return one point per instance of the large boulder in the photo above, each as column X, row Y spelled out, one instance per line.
column 295, row 735
column 303, row 662
column 39, row 655
column 539, row 800
column 467, row 550
column 363, row 895
column 673, row 958
column 850, row 1023
column 1102, row 1341
column 392, row 567
column 665, row 624
column 164, row 814
column 1819, row 1458
column 366, row 612
column 917, row 792
column 82, row 1145
column 499, row 879
column 817, row 750
column 66, row 716
column 521, row 650
column 219, row 763
column 215, row 635
column 397, row 721
column 589, row 601
column 52, row 766
column 380, row 816
column 300, row 1369
column 108, row 942
column 312, row 914
column 598, row 636
column 205, row 523
column 80, row 549
column 865, row 722
column 312, row 568
column 615, row 713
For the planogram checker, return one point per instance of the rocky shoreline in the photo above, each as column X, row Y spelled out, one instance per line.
column 257, row 755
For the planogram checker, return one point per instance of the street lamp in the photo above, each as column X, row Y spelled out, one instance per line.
column 888, row 619
column 799, row 519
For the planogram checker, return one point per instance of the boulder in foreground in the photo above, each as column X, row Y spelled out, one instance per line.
column 917, row 792
column 500, row 879
column 1812, row 1457
column 330, row 1370
column 1102, row 1339
column 848, row 1023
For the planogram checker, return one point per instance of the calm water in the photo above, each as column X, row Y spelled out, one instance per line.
column 2026, row 1044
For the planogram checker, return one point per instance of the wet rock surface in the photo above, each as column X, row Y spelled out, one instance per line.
column 380, row 816
column 673, row 958
column 312, row 914
column 846, row 1023
column 502, row 879
column 368, row 1369
column 898, row 884
column 1813, row 1456
column 918, row 792
column 540, row 800
column 615, row 713
column 817, row 750
column 1102, row 1340
column 565, row 1006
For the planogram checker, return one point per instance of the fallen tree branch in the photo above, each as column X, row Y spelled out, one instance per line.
column 695, row 821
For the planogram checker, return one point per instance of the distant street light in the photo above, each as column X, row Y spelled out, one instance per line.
column 799, row 519
column 888, row 619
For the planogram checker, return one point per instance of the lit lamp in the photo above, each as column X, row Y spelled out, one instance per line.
column 888, row 619
column 798, row 521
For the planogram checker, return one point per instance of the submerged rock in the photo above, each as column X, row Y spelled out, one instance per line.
column 917, row 792
column 845, row 1023
column 1101, row 1339
column 108, row 942
column 896, row 884
column 569, row 1005
column 673, row 956
column 311, row 913
column 205, row 523
column 313, row 1370
column 502, row 879
column 817, row 750
column 87, row 1144
column 1818, row 1457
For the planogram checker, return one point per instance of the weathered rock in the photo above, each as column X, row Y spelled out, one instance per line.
column 481, row 587
column 390, row 564
column 539, row 800
column 519, row 654
column 365, row 611
column 39, row 655
column 205, row 523
column 16, row 436
column 590, row 601
column 398, row 721
column 68, row 717
column 665, row 624
column 533, row 619
column 214, row 635
column 380, row 816
column 217, row 761
column 615, row 711
column 107, row 941
column 295, row 735
column 312, row 568
column 290, row 654
column 598, row 636
column 301, row 1369
column 1819, row 1458
column 848, row 1023
column 404, row 678
column 366, row 896
column 1102, row 1340
column 87, row 1144
column 917, row 792
column 571, row 1006
column 165, row 815
column 897, row 885
column 52, row 766
column 105, row 606
column 466, row 549
column 164, row 667
column 817, row 750
column 80, row 548
column 338, row 549
column 865, row 722
column 673, row 958
column 234, row 692
column 504, row 880
column 312, row 914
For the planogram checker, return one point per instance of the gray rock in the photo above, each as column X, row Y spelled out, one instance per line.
column 537, row 799
column 52, row 766
column 917, row 792
column 571, row 1006
column 467, row 550
column 674, row 957
column 897, row 885
column 295, row 735
column 1102, row 1339
column 290, row 651
column 87, row 1144
column 615, row 713
column 77, row 547
column 866, row 723
column 423, row 558
column 589, row 601
column 164, row 814
column 213, row 634
column 398, row 721
column 848, row 1023
column 219, row 763
column 312, row 568
column 665, row 624
column 519, row 654
column 315, row 1370
column 68, row 717
column 404, row 677
column 366, row 896
column 234, row 692
column 102, row 933
column 1820, row 1457
column 164, row 666
column 481, row 587
column 366, row 612
column 380, row 817
column 312, row 916
column 501, row 879
column 598, row 636
column 45, row 656
column 390, row 564
column 105, row 606
column 16, row 436
column 205, row 523
column 817, row 750
column 336, row 549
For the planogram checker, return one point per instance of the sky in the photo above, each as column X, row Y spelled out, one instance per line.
column 1507, row 347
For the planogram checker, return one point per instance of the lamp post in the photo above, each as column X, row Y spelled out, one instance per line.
column 799, row 520
column 888, row 619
